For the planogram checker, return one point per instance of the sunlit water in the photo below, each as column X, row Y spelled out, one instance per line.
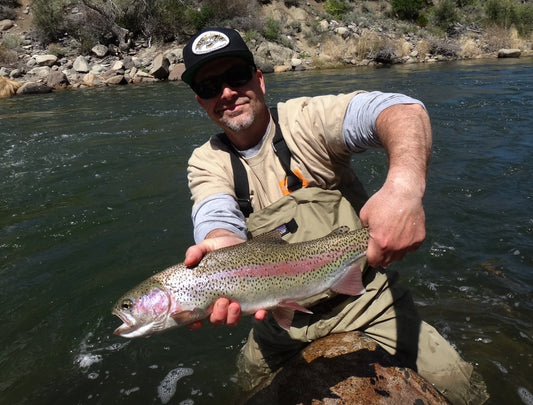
column 94, row 199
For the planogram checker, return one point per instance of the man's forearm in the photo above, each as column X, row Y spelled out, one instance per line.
column 405, row 132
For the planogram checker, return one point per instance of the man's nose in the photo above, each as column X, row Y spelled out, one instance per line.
column 227, row 91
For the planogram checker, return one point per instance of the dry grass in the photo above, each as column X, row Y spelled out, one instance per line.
column 368, row 42
column 469, row 48
column 423, row 47
column 496, row 38
column 403, row 47
column 8, row 87
column 334, row 50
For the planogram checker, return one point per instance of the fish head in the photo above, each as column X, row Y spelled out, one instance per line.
column 143, row 310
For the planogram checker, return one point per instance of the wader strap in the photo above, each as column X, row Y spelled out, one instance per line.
column 240, row 178
column 284, row 154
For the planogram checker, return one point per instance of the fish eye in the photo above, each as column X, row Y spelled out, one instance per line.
column 126, row 304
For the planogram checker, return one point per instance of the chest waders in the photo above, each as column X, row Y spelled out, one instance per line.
column 385, row 313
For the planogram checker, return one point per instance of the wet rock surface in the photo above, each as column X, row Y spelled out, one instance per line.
column 346, row 368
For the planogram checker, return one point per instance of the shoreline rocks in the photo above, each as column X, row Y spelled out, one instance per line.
column 35, row 68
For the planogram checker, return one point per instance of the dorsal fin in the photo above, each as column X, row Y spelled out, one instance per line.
column 269, row 237
column 340, row 230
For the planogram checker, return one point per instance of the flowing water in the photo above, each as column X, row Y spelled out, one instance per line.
column 94, row 199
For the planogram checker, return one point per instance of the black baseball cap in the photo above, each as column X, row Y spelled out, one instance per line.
column 212, row 43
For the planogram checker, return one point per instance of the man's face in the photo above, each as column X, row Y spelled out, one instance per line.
column 234, row 107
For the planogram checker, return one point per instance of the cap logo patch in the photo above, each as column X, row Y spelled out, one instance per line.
column 209, row 41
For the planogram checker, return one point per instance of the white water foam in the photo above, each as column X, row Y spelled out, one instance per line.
column 89, row 352
column 167, row 388
column 86, row 360
column 500, row 366
column 525, row 395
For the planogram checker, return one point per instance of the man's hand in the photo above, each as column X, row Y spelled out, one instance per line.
column 214, row 240
column 396, row 221
column 224, row 311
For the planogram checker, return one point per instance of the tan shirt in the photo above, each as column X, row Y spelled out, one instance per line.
column 312, row 128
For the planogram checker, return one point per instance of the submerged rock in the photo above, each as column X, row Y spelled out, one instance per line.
column 345, row 368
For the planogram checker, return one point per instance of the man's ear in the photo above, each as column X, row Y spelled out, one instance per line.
column 261, row 80
column 200, row 100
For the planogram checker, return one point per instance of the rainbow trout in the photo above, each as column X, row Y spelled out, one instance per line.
column 263, row 273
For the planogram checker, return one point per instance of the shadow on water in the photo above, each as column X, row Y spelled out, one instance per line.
column 94, row 199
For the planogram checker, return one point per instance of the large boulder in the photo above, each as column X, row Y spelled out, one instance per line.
column 57, row 80
column 160, row 67
column 100, row 50
column 345, row 368
column 116, row 80
column 6, row 24
column 33, row 88
column 273, row 53
column 81, row 65
column 38, row 74
column 509, row 53
column 45, row 60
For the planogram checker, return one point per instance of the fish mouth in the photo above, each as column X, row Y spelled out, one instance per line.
column 128, row 324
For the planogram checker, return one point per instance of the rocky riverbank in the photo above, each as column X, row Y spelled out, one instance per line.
column 39, row 70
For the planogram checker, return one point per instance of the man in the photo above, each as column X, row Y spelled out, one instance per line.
column 242, row 184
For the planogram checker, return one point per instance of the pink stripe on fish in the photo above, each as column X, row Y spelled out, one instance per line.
column 288, row 268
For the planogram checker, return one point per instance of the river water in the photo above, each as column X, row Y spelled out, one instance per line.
column 94, row 199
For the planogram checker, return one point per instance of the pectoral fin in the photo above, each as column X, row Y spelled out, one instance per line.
column 284, row 313
column 351, row 283
column 186, row 317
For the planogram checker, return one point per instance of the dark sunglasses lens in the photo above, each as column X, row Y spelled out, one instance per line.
column 238, row 76
column 207, row 88
column 235, row 77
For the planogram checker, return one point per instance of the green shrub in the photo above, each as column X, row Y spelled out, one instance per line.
column 525, row 18
column 202, row 16
column 12, row 41
column 57, row 50
column 9, row 44
column 251, row 35
column 336, row 8
column 407, row 9
column 422, row 20
column 49, row 19
column 465, row 3
column 501, row 12
column 445, row 13
column 7, row 13
column 272, row 29
column 506, row 13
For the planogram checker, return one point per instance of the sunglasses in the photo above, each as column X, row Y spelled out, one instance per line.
column 234, row 77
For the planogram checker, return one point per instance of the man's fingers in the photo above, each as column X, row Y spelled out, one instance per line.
column 193, row 255
column 234, row 314
column 220, row 312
